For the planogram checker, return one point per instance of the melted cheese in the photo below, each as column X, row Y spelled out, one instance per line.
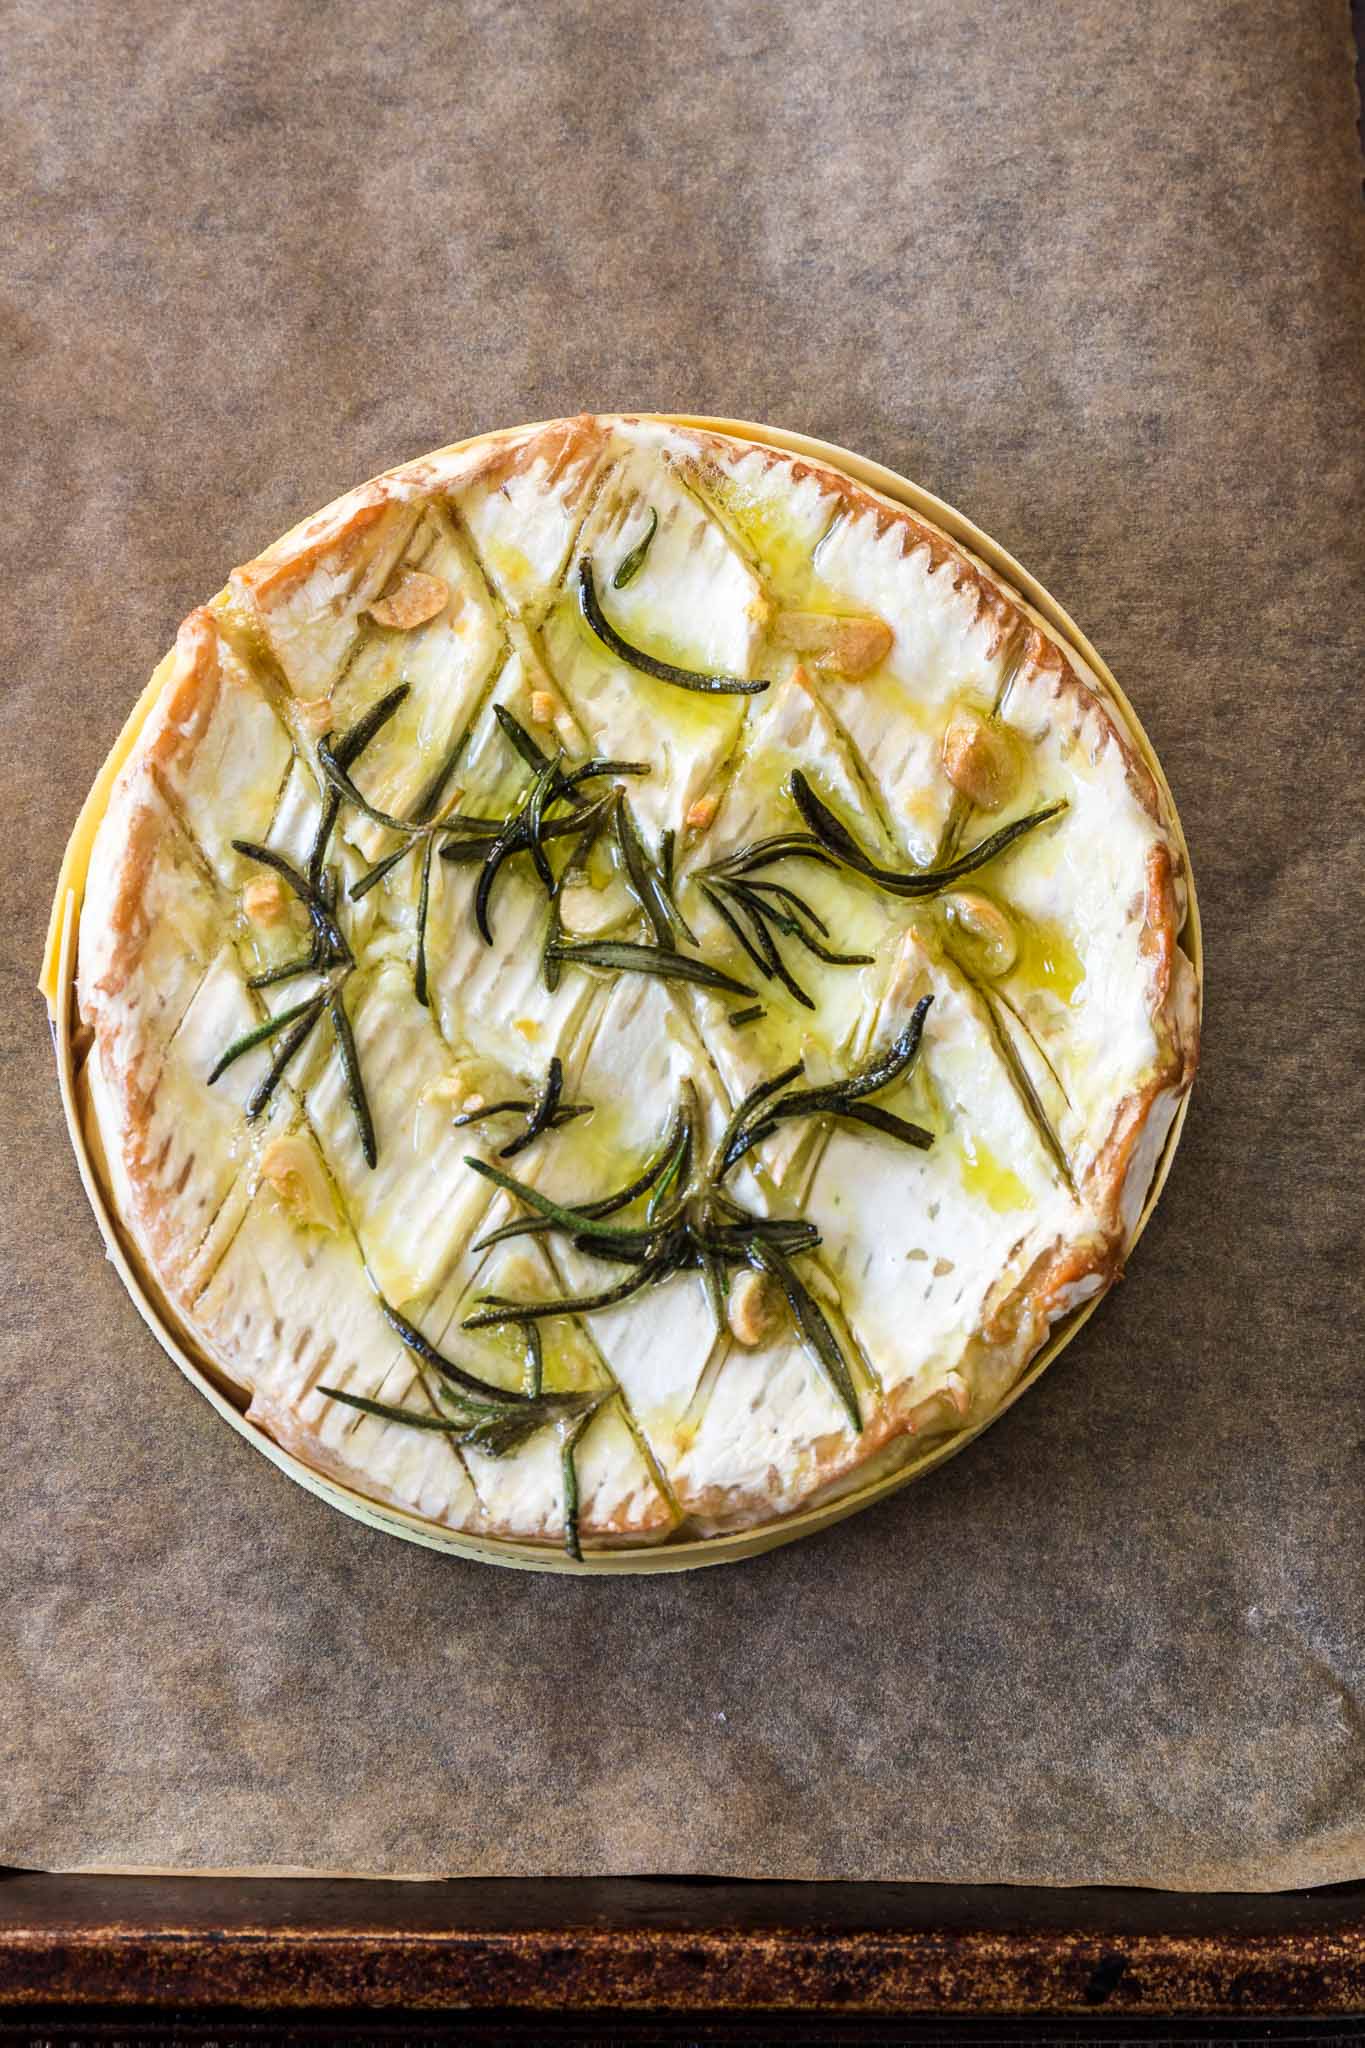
column 927, row 1258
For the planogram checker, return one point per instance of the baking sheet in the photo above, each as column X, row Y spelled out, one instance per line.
column 1099, row 282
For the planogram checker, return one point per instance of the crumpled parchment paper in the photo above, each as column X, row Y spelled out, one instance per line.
column 1092, row 273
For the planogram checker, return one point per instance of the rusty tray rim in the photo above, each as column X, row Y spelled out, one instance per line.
column 294, row 1947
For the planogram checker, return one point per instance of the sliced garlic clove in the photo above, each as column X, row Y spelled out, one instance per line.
column 315, row 714
column 979, row 760
column 752, row 1309
column 410, row 601
column 860, row 645
column 852, row 647
column 585, row 910
column 293, row 1168
column 264, row 900
column 981, row 932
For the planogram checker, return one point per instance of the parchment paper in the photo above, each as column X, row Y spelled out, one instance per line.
column 1094, row 274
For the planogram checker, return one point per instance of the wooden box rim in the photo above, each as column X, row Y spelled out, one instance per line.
column 58, row 986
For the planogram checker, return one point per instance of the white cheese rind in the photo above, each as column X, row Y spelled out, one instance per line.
column 941, row 1270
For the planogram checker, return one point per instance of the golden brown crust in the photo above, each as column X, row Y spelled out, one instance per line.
column 1174, row 1014
column 494, row 459
column 141, row 853
column 303, row 1441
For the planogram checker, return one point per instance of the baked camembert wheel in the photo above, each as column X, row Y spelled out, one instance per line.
column 630, row 984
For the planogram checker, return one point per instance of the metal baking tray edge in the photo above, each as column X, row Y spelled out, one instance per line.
column 792, row 1960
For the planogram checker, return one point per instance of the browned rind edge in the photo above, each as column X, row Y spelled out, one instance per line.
column 991, row 602
column 926, row 521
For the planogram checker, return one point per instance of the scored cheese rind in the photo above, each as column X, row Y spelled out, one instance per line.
column 290, row 1310
column 695, row 602
column 943, row 1269
column 637, row 1052
column 445, row 664
column 522, row 513
column 918, row 1241
column 413, row 1208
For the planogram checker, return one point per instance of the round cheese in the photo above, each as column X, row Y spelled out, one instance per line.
column 631, row 982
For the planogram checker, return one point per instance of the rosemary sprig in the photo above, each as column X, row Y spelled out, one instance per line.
column 759, row 1115
column 472, row 839
column 634, row 562
column 331, row 958
column 606, row 1205
column 650, row 664
column 488, row 1418
column 500, row 1310
column 830, row 843
column 456, row 836
column 318, row 897
column 336, row 758
column 536, row 758
column 768, row 908
column 346, row 753
column 579, row 1220
column 568, row 1465
column 622, row 956
column 467, row 1386
column 520, row 834
column 545, row 1112
column 481, row 1399
column 259, row 1033
column 650, row 880
column 835, row 838
column 812, row 1322
column 350, row 1067
column 535, row 1362
column 390, row 1413
column 677, row 1167
column 691, row 1221
column 526, row 829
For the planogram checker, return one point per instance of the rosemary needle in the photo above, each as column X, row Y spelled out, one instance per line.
column 259, row 1033
column 546, row 1113
column 650, row 664
column 835, row 838
column 621, row 956
column 634, row 562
